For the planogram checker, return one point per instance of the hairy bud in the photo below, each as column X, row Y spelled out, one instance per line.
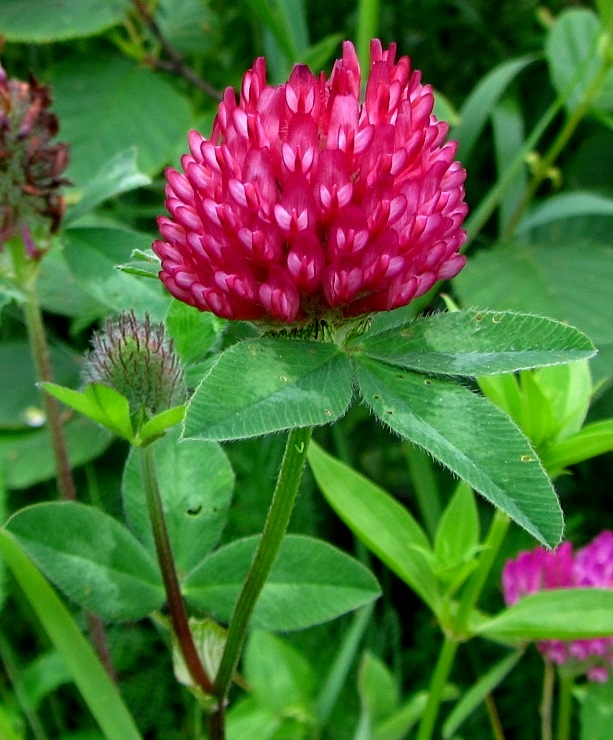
column 137, row 360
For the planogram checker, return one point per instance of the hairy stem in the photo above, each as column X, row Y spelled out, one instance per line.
column 176, row 606
column 278, row 517
column 44, row 373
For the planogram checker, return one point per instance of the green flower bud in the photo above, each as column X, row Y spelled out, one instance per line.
column 136, row 359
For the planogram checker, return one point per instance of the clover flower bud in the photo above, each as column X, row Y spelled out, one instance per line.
column 31, row 165
column 137, row 360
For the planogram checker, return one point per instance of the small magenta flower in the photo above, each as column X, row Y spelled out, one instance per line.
column 540, row 570
column 31, row 163
column 308, row 203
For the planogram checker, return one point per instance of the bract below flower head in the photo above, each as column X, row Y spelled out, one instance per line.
column 541, row 570
column 308, row 203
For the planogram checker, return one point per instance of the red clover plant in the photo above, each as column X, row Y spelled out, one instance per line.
column 303, row 240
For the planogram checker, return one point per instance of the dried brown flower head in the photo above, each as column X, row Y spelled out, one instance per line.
column 31, row 163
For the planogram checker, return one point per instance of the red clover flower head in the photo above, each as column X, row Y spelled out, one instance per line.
column 540, row 570
column 31, row 164
column 308, row 203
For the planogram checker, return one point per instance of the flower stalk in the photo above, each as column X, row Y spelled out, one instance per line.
column 176, row 606
column 26, row 273
column 437, row 687
column 277, row 520
column 458, row 630
column 495, row 537
column 31, row 208
column 565, row 705
column 547, row 162
column 40, row 353
column 546, row 708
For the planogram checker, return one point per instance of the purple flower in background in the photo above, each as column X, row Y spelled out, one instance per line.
column 309, row 203
column 540, row 570
column 594, row 564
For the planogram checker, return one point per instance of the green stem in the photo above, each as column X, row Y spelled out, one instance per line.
column 27, row 273
column 339, row 670
column 547, row 701
column 97, row 635
column 472, row 591
column 546, row 163
column 366, row 29
column 44, row 373
column 176, row 606
column 278, row 517
column 482, row 213
column 14, row 674
column 488, row 205
column 495, row 723
column 565, row 705
column 459, row 629
column 437, row 688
